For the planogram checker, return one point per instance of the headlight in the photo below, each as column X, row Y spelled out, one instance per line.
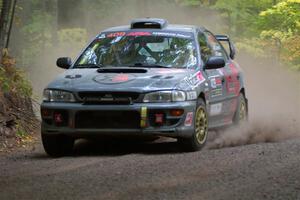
column 165, row 96
column 58, row 96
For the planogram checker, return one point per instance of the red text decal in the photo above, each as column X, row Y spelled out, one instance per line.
column 138, row 34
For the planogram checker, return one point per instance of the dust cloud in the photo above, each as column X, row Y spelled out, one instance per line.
column 273, row 92
column 274, row 105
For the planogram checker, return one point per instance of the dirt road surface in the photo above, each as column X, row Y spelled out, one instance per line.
column 154, row 171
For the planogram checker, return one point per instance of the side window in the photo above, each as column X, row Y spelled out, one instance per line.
column 217, row 48
column 205, row 48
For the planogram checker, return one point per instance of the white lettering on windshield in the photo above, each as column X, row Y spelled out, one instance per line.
column 171, row 34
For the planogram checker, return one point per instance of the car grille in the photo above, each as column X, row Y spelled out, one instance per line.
column 108, row 97
column 107, row 119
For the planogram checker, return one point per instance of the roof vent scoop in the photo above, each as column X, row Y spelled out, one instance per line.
column 151, row 23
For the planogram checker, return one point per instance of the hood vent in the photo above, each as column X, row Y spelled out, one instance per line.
column 121, row 70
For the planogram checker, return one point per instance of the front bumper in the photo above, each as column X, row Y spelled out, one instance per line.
column 144, row 111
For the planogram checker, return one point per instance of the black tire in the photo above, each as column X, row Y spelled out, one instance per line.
column 57, row 145
column 241, row 113
column 199, row 137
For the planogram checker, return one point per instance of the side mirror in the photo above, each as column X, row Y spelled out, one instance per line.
column 215, row 62
column 64, row 62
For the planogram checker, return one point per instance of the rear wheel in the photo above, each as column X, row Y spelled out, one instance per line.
column 199, row 137
column 57, row 145
column 241, row 113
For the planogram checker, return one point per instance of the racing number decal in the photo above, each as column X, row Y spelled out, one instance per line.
column 116, row 34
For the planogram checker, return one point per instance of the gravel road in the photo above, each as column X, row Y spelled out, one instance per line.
column 154, row 171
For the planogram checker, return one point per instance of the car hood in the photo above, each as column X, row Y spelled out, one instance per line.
column 121, row 79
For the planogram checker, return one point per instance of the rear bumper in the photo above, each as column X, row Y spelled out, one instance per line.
column 178, row 129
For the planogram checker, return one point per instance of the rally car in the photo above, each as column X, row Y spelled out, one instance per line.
column 149, row 78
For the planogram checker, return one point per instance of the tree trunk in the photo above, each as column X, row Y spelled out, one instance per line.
column 4, row 21
column 10, row 23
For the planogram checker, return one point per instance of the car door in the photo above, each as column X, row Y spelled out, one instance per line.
column 232, row 89
column 231, row 82
column 217, row 96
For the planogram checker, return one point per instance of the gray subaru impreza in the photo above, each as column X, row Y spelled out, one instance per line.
column 146, row 79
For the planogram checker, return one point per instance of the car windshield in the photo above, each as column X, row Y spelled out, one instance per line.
column 143, row 49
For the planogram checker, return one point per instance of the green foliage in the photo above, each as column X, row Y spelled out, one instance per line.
column 280, row 24
column 5, row 82
column 41, row 37
column 195, row 2
column 189, row 2
column 101, row 9
column 13, row 79
column 15, row 83
column 241, row 15
column 20, row 132
column 265, row 29
column 291, row 52
column 38, row 36
column 74, row 38
column 255, row 46
column 283, row 17
column 74, row 35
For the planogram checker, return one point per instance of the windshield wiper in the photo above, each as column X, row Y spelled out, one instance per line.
column 148, row 65
column 89, row 65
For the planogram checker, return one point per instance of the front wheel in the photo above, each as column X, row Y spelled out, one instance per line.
column 199, row 137
column 57, row 145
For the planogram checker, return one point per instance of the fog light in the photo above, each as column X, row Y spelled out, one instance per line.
column 45, row 112
column 58, row 118
column 176, row 112
column 159, row 118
